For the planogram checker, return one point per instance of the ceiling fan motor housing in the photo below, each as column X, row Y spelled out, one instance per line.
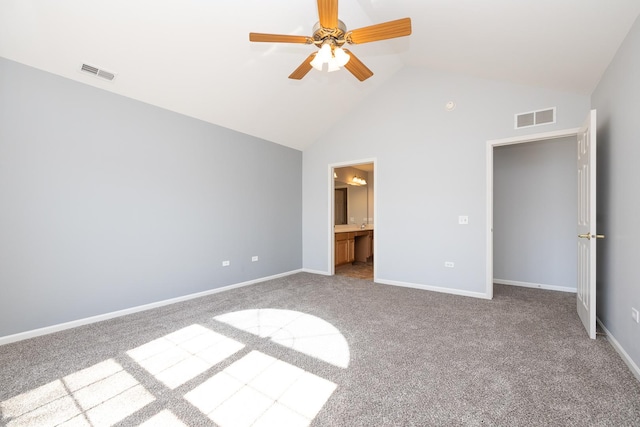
column 335, row 35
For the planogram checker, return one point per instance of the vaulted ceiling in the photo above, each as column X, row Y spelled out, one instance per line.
column 194, row 56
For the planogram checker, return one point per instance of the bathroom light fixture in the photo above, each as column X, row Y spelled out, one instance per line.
column 335, row 175
column 358, row 181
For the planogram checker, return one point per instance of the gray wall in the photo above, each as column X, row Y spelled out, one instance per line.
column 617, row 99
column 534, row 216
column 431, row 167
column 108, row 203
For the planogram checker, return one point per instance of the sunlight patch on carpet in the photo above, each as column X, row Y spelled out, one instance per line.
column 164, row 418
column 102, row 394
column 298, row 331
column 184, row 354
column 260, row 390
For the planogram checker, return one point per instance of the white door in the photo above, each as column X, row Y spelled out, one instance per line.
column 586, row 300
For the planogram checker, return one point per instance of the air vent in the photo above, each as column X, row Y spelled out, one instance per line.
column 525, row 119
column 535, row 118
column 98, row 72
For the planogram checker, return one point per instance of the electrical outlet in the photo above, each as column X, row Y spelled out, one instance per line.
column 254, row 258
column 635, row 315
column 449, row 264
column 226, row 263
column 463, row 219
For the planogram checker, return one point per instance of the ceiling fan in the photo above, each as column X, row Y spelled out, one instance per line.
column 330, row 35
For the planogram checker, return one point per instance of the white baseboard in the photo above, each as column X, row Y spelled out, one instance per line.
column 534, row 285
column 635, row 370
column 322, row 273
column 433, row 288
column 93, row 319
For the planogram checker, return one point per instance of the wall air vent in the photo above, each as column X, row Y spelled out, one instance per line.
column 98, row 72
column 535, row 118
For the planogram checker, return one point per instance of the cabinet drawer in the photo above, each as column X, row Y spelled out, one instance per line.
column 344, row 236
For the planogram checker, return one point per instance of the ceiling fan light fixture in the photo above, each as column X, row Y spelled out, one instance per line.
column 334, row 57
column 341, row 56
column 333, row 65
column 324, row 55
column 325, row 52
column 317, row 62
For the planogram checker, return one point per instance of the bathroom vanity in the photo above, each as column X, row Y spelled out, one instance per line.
column 353, row 245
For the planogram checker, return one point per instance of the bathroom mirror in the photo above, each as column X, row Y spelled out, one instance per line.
column 352, row 202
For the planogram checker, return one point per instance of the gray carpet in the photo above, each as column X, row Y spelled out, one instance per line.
column 408, row 357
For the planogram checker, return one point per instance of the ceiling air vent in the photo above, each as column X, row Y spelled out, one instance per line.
column 98, row 72
column 535, row 118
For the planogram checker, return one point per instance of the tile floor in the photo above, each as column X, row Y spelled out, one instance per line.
column 358, row 270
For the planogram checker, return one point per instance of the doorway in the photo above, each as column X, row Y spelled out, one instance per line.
column 527, row 233
column 352, row 216
column 587, row 236
column 534, row 212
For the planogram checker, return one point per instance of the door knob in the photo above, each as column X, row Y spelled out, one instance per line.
column 589, row 236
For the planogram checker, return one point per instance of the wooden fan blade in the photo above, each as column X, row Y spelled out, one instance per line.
column 386, row 30
column 328, row 13
column 303, row 69
column 357, row 68
column 279, row 38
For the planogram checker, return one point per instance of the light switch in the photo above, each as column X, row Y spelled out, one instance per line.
column 463, row 219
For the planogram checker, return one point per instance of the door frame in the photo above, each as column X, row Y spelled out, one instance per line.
column 331, row 225
column 491, row 144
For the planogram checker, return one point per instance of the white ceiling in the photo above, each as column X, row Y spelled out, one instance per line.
column 194, row 56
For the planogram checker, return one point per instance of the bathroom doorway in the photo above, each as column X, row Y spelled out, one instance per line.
column 353, row 220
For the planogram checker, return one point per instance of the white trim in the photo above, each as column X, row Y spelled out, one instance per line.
column 635, row 370
column 106, row 316
column 535, row 285
column 491, row 144
column 534, row 137
column 331, row 225
column 332, row 222
column 433, row 288
column 489, row 242
column 376, row 218
column 321, row 273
